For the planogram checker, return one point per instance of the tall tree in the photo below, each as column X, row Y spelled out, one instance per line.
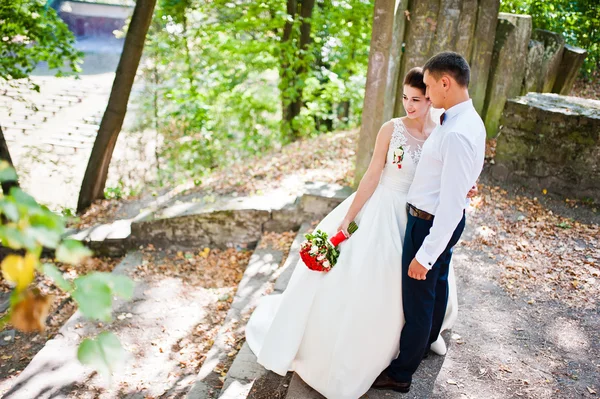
column 373, row 109
column 294, row 63
column 96, row 173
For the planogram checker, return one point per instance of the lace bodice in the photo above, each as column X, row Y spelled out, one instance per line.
column 401, row 177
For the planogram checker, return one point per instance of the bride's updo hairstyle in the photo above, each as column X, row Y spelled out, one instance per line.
column 414, row 78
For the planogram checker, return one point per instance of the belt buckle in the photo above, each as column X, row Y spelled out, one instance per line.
column 413, row 211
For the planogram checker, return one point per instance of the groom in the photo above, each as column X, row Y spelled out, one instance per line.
column 450, row 164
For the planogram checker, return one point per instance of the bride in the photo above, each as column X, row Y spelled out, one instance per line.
column 339, row 330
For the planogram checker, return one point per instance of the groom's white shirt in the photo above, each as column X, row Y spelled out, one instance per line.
column 450, row 164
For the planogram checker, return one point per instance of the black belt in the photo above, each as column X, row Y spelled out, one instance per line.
column 416, row 212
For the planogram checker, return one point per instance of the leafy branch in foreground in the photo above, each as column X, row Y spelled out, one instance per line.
column 27, row 227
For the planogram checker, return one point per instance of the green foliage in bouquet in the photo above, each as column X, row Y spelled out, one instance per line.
column 320, row 239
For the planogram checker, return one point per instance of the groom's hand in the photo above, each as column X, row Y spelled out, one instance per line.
column 417, row 270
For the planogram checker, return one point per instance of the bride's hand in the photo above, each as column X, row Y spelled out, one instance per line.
column 344, row 227
column 473, row 192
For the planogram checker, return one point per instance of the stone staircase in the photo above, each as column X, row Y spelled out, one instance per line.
column 244, row 371
column 157, row 319
column 151, row 326
column 154, row 322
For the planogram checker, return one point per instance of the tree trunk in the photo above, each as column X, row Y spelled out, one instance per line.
column 188, row 57
column 5, row 156
column 94, row 180
column 293, row 104
column 306, row 9
column 285, row 74
column 373, row 109
column 344, row 112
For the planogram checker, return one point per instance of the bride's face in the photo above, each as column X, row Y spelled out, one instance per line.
column 415, row 103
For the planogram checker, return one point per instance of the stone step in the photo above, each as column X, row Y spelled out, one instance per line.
column 231, row 221
column 245, row 371
column 422, row 387
column 257, row 279
column 227, row 222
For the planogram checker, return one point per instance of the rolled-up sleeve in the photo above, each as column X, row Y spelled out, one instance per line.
column 458, row 160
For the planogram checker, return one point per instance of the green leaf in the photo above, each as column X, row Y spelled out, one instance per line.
column 47, row 219
column 94, row 297
column 94, row 293
column 56, row 275
column 121, row 286
column 4, row 320
column 10, row 209
column 44, row 236
column 14, row 238
column 72, row 251
column 105, row 353
column 22, row 198
column 7, row 173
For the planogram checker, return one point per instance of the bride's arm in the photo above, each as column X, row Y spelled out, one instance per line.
column 370, row 180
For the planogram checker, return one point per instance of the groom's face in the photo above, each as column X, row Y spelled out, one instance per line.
column 435, row 90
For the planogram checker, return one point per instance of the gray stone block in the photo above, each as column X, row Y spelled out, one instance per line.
column 419, row 42
column 483, row 47
column 220, row 229
column 321, row 198
column 535, row 59
column 571, row 63
column 286, row 219
column 448, row 20
column 466, row 28
column 244, row 368
column 507, row 66
column 393, row 79
column 554, row 44
column 300, row 390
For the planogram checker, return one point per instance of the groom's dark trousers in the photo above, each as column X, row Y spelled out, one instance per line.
column 424, row 301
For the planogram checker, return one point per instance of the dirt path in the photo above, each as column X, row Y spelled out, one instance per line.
column 529, row 324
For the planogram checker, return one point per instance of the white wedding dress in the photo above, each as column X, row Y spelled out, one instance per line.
column 339, row 330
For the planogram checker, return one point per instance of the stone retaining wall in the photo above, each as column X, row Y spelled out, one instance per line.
column 549, row 141
column 507, row 57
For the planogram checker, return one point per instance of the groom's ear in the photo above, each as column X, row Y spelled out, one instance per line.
column 446, row 81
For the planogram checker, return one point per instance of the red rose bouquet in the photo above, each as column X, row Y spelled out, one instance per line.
column 320, row 253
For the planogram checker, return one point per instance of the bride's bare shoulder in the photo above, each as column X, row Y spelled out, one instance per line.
column 387, row 127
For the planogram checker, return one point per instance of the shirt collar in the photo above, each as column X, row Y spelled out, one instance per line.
column 458, row 109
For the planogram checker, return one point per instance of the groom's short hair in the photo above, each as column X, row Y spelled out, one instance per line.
column 450, row 63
